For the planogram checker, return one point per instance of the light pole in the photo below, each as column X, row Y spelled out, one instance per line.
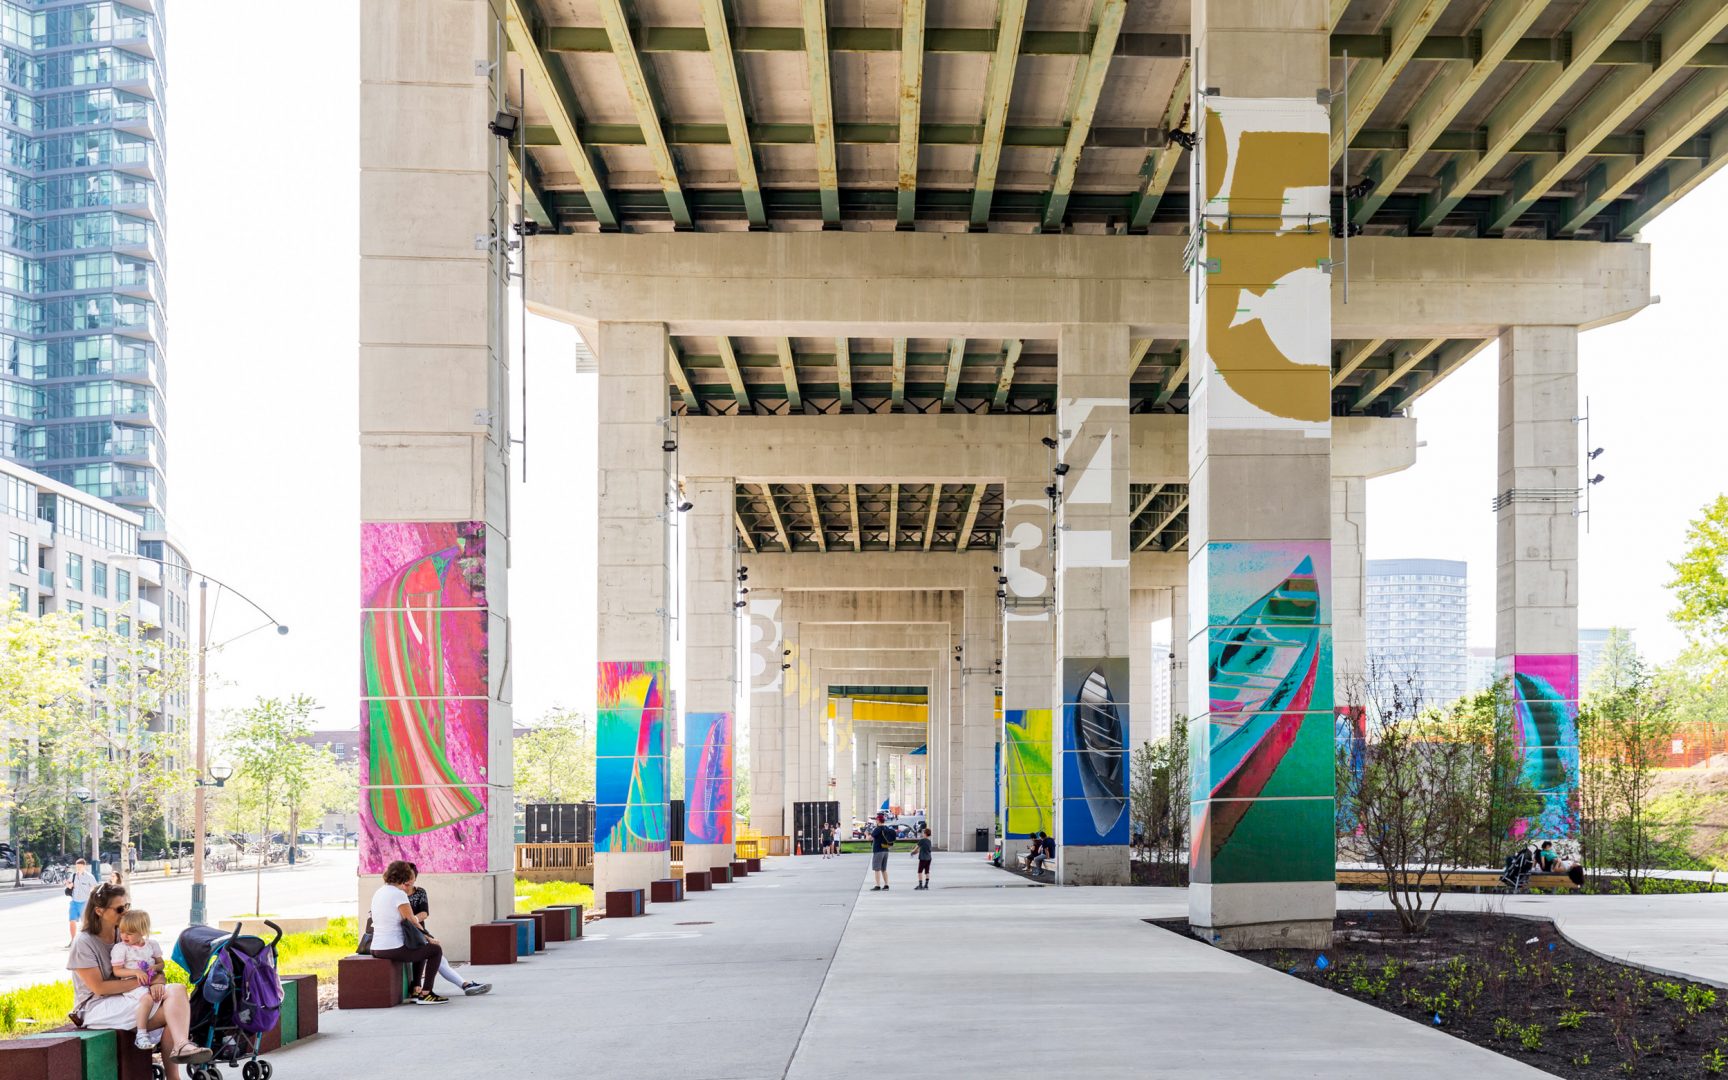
column 197, row 916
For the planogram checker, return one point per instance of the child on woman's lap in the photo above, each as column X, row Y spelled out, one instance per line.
column 136, row 952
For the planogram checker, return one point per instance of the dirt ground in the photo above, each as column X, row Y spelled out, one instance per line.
column 1705, row 788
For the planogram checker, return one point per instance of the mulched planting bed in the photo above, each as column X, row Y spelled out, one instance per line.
column 1159, row 873
column 1517, row 987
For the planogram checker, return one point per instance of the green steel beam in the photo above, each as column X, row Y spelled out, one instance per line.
column 729, row 361
column 1353, row 359
column 1370, row 78
column 956, row 358
column 718, row 36
column 1005, row 381
column 1613, row 101
column 1137, row 350
column 897, row 392
column 1161, row 163
column 522, row 26
column 789, row 373
column 743, row 533
column 962, row 541
column 893, row 515
column 1400, row 368
column 534, row 201
column 1337, row 12
column 680, row 378
column 1087, row 91
column 1668, row 184
column 930, row 516
column 1164, row 522
column 816, row 518
column 843, row 365
column 774, row 513
column 852, row 501
column 1593, row 29
column 1673, row 125
column 1177, row 377
column 1147, row 501
column 911, row 103
column 647, row 110
column 1448, row 359
column 997, row 91
column 822, row 108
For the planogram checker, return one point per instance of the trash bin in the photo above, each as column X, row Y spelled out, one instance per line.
column 981, row 840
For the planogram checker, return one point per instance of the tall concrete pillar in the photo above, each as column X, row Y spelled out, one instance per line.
column 1349, row 580
column 1028, row 661
column 845, row 751
column 767, row 734
column 1161, row 667
column 1179, row 640
column 1092, row 586
column 1536, row 595
column 977, row 744
column 711, row 676
column 1142, row 605
column 434, row 526
column 633, row 710
column 1259, row 438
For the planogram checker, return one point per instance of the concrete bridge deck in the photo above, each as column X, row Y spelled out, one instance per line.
column 802, row 972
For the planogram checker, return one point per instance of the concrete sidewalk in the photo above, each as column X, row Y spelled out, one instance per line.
column 802, row 972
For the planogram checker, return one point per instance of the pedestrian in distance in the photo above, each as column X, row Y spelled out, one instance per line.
column 834, row 841
column 78, row 891
column 827, row 840
column 922, row 854
column 881, row 843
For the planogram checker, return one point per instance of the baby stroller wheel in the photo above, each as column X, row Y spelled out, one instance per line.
column 265, row 1068
column 156, row 1072
column 251, row 1071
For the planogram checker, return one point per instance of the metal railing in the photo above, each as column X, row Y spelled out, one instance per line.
column 554, row 856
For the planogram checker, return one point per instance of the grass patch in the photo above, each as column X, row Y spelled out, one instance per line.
column 531, row 895
column 45, row 1005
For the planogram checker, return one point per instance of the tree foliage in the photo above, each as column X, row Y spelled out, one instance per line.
column 555, row 760
column 269, row 744
column 1700, row 581
column 1624, row 735
column 1158, row 795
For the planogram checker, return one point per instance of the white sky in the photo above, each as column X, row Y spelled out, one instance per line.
column 263, row 472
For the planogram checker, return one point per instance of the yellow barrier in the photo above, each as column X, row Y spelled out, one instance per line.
column 554, row 856
column 747, row 849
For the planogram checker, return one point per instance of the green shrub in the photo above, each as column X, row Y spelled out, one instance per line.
column 531, row 895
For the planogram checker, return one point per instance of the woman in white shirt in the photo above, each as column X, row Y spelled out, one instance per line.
column 389, row 910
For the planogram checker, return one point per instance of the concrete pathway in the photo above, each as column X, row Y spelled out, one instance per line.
column 1677, row 935
column 802, row 972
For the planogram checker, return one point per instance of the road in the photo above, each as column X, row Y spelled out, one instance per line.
column 33, row 919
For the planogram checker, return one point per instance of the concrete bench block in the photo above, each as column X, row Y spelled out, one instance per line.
column 108, row 1055
column 557, row 923
column 739, row 869
column 666, row 890
column 366, row 982
column 538, row 922
column 305, row 991
column 576, row 917
column 624, row 904
column 524, row 937
column 720, row 875
column 493, row 942
column 698, row 881
column 58, row 1054
column 754, row 866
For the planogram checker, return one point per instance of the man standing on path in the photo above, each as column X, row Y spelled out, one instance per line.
column 881, row 843
column 82, row 885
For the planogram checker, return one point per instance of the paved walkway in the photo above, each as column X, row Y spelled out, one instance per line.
column 802, row 972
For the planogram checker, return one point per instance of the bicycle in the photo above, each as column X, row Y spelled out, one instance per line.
column 56, row 874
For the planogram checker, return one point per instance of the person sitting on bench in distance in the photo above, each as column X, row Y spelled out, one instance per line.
column 1045, row 854
column 1034, row 844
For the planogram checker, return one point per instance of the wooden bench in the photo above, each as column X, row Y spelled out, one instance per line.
column 69, row 1053
column 753, row 865
column 666, row 890
column 573, row 912
column 1465, row 879
column 492, row 943
column 739, row 869
column 720, row 875
column 698, row 881
column 625, row 904
column 299, row 1015
column 539, row 924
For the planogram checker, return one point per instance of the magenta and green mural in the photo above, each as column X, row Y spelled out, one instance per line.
column 1026, row 768
column 1265, row 776
column 1094, row 752
column 708, row 778
column 424, row 723
column 631, row 807
column 1545, row 732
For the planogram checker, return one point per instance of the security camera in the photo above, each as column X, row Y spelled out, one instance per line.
column 1061, row 470
column 1048, row 441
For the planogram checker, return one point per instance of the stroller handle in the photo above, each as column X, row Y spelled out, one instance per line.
column 278, row 930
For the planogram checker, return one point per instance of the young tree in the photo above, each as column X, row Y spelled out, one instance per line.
column 1483, row 721
column 555, row 760
column 42, row 683
column 1624, row 736
column 1619, row 667
column 1701, row 576
column 268, row 744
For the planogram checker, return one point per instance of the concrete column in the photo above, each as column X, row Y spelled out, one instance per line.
column 1349, row 579
column 1536, row 594
column 711, row 675
column 1092, row 585
column 845, row 750
column 1161, row 667
column 1028, row 660
column 1142, row 726
column 767, row 732
column 434, row 522
column 1179, row 639
column 977, row 671
column 631, row 838
column 1259, row 438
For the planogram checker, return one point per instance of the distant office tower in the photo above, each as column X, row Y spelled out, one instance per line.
column 1480, row 673
column 81, row 267
column 1416, row 624
column 1591, row 645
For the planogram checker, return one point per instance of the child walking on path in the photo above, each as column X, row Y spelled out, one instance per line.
column 136, row 952
column 923, row 854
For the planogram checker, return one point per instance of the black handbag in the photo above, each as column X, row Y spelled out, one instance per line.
column 412, row 936
column 365, row 946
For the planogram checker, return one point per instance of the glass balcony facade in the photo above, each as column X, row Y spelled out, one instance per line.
column 81, row 253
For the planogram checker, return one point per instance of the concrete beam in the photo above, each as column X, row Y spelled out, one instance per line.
column 879, row 284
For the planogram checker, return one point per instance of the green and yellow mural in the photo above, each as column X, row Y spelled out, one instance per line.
column 1026, row 762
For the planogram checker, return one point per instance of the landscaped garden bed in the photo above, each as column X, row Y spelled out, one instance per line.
column 1517, row 987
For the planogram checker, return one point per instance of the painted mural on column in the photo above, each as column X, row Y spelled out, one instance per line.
column 1268, row 767
column 1545, row 703
column 424, row 715
column 630, row 757
column 1094, row 751
column 708, row 778
column 1026, row 761
column 1266, row 324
